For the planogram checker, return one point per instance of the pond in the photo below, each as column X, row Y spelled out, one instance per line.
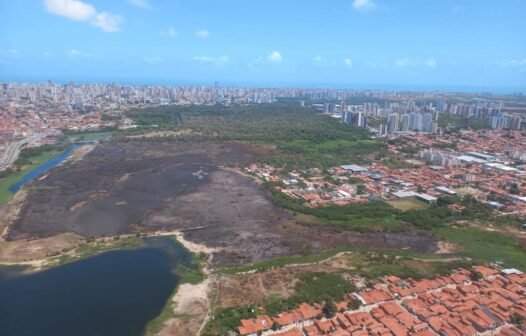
column 113, row 293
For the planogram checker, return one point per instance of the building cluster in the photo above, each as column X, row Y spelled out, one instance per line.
column 495, row 114
column 88, row 95
column 29, row 113
column 485, row 164
column 313, row 187
column 410, row 122
column 453, row 305
column 24, row 123
column 489, row 163
column 410, row 116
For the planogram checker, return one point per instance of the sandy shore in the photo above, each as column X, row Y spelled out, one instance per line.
column 191, row 309
column 80, row 152
column 191, row 302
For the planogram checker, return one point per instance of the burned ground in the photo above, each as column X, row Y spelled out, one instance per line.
column 143, row 186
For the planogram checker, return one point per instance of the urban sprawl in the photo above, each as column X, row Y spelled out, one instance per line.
column 486, row 161
column 437, row 146
column 455, row 305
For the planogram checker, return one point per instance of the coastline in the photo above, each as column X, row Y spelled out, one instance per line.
column 189, row 305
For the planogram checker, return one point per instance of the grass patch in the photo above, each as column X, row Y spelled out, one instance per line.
column 409, row 204
column 486, row 246
column 226, row 320
column 322, row 153
column 16, row 176
column 94, row 136
column 324, row 287
column 91, row 248
column 360, row 216
column 396, row 163
column 283, row 261
column 374, row 265
column 193, row 272
column 311, row 288
column 317, row 257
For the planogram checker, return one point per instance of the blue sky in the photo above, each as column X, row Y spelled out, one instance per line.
column 398, row 43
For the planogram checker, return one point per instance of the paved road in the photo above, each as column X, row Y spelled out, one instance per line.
column 11, row 154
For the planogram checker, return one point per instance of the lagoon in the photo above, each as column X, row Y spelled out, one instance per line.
column 114, row 293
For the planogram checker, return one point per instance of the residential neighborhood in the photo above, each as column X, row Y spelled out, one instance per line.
column 486, row 165
column 481, row 301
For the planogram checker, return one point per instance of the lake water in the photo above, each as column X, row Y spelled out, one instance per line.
column 44, row 167
column 114, row 293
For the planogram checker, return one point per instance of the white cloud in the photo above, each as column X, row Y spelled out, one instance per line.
column 72, row 9
column 323, row 62
column 75, row 54
column 224, row 59
column 80, row 11
column 383, row 63
column 140, row 3
column 108, row 22
column 431, row 63
column 202, row 33
column 275, row 57
column 212, row 60
column 513, row 63
column 204, row 59
column 519, row 64
column 348, row 62
column 402, row 62
column 11, row 54
column 363, row 5
column 14, row 52
column 153, row 59
column 170, row 32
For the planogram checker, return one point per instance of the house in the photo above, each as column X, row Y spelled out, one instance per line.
column 354, row 168
column 427, row 198
column 445, row 190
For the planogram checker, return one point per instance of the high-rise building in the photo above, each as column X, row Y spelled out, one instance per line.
column 514, row 122
column 404, row 122
column 392, row 122
column 427, row 122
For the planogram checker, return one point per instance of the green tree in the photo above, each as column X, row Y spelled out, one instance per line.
column 360, row 189
column 353, row 304
column 476, row 276
column 517, row 319
column 329, row 309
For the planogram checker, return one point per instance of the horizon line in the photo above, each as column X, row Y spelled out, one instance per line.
column 439, row 88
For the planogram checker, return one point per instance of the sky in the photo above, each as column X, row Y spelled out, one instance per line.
column 340, row 43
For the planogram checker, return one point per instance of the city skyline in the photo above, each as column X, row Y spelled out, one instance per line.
column 376, row 44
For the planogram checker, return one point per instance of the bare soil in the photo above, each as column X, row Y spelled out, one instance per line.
column 20, row 251
column 155, row 185
column 259, row 287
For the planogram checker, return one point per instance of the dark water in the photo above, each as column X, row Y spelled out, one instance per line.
column 114, row 293
column 43, row 168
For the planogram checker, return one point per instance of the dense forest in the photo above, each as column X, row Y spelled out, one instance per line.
column 303, row 138
column 278, row 121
